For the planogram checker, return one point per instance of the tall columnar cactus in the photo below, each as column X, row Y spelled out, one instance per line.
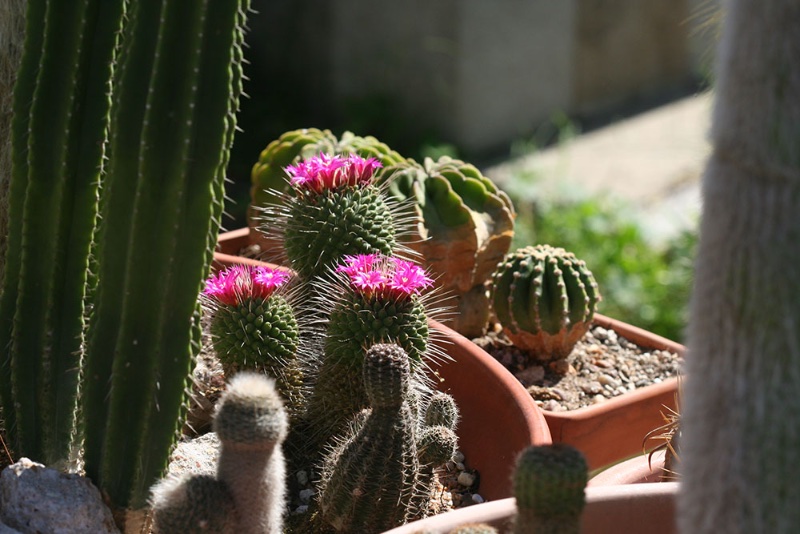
column 376, row 300
column 253, row 326
column 249, row 492
column 369, row 480
column 545, row 298
column 175, row 103
column 549, row 487
column 269, row 177
column 464, row 227
column 61, row 112
column 334, row 210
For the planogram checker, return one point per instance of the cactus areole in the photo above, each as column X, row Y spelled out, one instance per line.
column 545, row 298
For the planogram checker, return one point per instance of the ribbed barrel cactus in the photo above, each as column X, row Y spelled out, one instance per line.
column 253, row 326
column 370, row 479
column 549, row 487
column 545, row 298
column 464, row 226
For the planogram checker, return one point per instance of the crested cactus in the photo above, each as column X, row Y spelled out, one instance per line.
column 58, row 131
column 549, row 486
column 374, row 299
column 253, row 326
column 269, row 177
column 370, row 478
column 248, row 494
column 335, row 210
column 175, row 100
column 465, row 225
column 545, row 298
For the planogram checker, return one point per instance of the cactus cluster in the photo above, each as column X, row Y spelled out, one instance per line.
column 545, row 298
column 249, row 491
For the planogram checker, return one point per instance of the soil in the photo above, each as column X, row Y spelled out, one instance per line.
column 601, row 366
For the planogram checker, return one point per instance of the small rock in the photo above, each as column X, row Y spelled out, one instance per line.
column 305, row 495
column 560, row 367
column 303, row 508
column 460, row 466
column 531, row 375
column 600, row 333
column 592, row 388
column 458, row 457
column 552, row 406
column 39, row 499
column 477, row 499
column 197, row 456
column 302, row 478
column 597, row 399
column 466, row 479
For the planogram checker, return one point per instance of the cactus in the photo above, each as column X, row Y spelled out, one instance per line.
column 253, row 326
column 442, row 410
column 545, row 299
column 193, row 504
column 61, row 112
column 376, row 300
column 175, row 102
column 251, row 424
column 369, row 480
column 269, row 177
column 465, row 225
column 549, row 483
column 248, row 494
column 334, row 210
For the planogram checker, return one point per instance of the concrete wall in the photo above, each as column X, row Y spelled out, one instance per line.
column 477, row 73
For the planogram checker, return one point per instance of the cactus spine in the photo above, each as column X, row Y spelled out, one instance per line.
column 545, row 299
column 369, row 480
column 175, row 96
column 61, row 108
column 549, row 486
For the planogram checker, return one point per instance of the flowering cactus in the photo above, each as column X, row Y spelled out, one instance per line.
column 376, row 299
column 253, row 326
column 334, row 210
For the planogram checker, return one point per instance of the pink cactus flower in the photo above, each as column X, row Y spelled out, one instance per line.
column 375, row 274
column 323, row 172
column 239, row 283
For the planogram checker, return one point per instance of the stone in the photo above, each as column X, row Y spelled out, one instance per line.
column 35, row 498
column 196, row 457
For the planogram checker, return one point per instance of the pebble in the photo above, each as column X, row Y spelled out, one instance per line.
column 303, row 508
column 305, row 495
column 302, row 478
column 458, row 457
column 477, row 499
column 465, row 478
column 597, row 399
column 592, row 388
column 531, row 375
column 460, row 466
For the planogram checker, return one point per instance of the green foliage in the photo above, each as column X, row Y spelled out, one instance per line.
column 643, row 283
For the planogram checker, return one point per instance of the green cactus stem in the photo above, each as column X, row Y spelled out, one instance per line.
column 251, row 424
column 442, row 410
column 175, row 105
column 465, row 225
column 375, row 300
column 545, row 298
column 253, row 326
column 369, row 480
column 549, row 483
column 61, row 112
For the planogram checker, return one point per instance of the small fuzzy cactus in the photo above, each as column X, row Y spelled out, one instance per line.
column 369, row 480
column 251, row 424
column 254, row 327
column 334, row 209
column 464, row 227
column 549, row 487
column 248, row 495
column 375, row 299
column 442, row 410
column 545, row 298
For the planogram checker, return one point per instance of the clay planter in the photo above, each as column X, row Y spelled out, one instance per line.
column 498, row 417
column 636, row 470
column 632, row 509
column 615, row 429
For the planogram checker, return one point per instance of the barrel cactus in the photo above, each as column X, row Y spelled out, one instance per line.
column 545, row 298
column 253, row 326
column 549, row 487
column 464, row 226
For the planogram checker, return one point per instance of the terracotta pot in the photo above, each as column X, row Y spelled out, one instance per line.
column 499, row 418
column 636, row 470
column 615, row 429
column 632, row 509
